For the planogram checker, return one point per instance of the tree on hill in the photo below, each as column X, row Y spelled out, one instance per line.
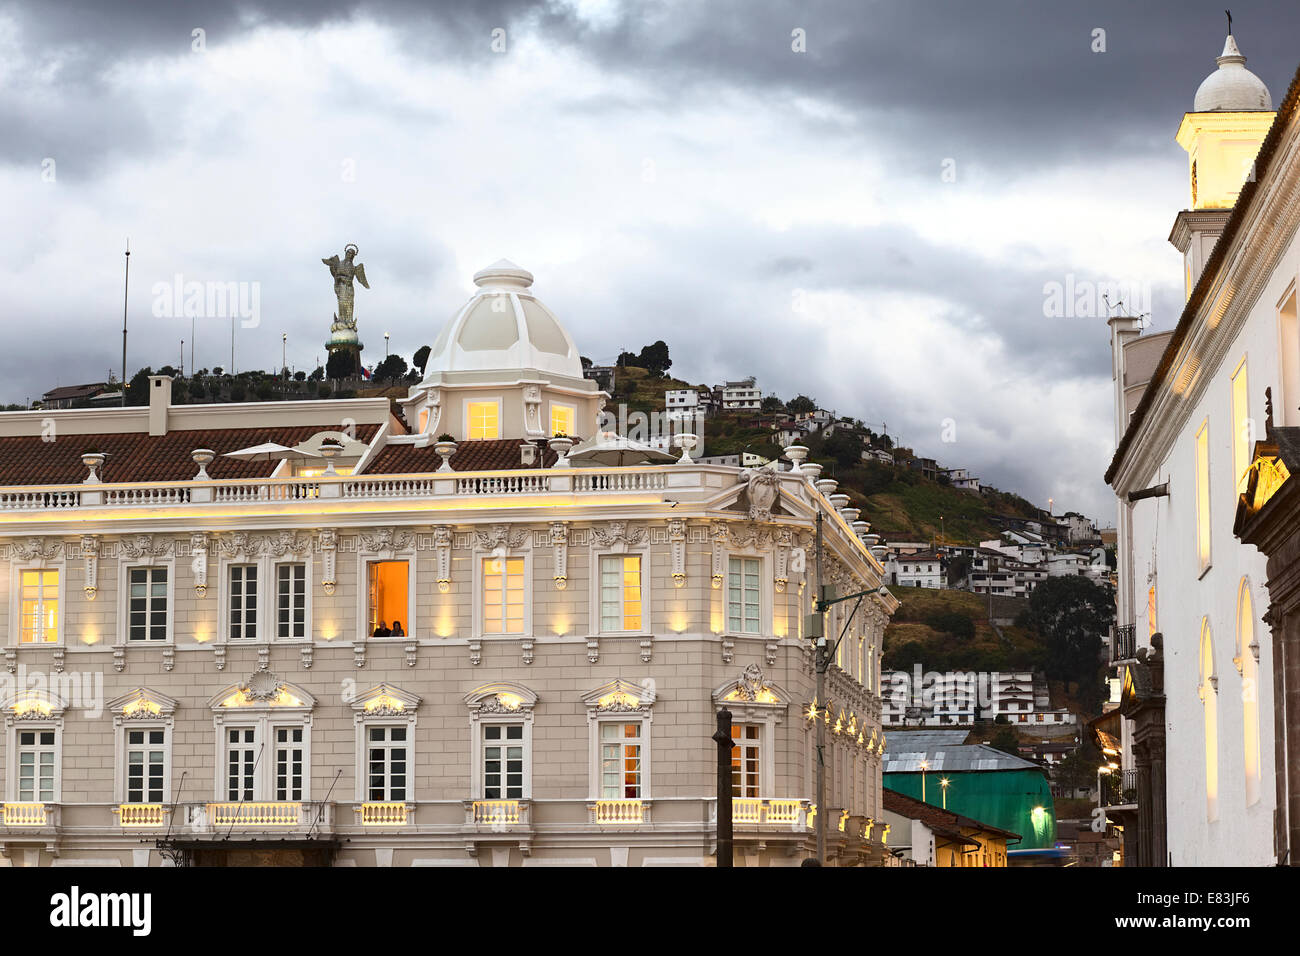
column 421, row 358
column 772, row 404
column 390, row 369
column 340, row 364
column 1006, row 741
column 845, row 448
column 654, row 358
column 1072, row 614
column 627, row 358
column 137, row 393
column 801, row 405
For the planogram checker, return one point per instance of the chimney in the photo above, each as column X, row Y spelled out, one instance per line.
column 160, row 399
column 1123, row 330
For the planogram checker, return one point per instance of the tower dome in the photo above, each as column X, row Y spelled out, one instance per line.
column 504, row 327
column 1232, row 87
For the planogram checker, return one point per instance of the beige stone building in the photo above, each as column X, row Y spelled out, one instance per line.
column 366, row 648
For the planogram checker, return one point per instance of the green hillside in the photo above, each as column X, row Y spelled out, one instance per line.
column 949, row 630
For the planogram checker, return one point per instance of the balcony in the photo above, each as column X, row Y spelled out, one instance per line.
column 255, row 816
column 1123, row 643
column 620, row 813
column 767, row 813
column 131, row 815
column 34, row 815
column 391, row 814
column 497, row 815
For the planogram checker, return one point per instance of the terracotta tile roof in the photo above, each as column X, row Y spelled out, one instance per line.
column 498, row 455
column 138, row 456
column 936, row 818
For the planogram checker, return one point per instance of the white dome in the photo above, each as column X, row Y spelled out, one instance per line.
column 503, row 326
column 1232, row 87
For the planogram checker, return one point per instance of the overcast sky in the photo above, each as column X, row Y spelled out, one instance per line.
column 870, row 219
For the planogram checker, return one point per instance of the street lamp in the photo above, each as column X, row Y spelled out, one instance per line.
column 944, row 783
column 385, row 345
column 925, row 765
column 284, row 347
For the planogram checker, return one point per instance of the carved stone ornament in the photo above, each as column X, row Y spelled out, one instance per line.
column 493, row 704
column 750, row 683
column 286, row 542
column 37, row 549
column 560, row 544
column 386, row 540
column 199, row 562
column 618, row 535
column 140, row 546
column 90, row 555
column 763, row 489
column 263, row 686
column 500, row 536
column 329, row 551
column 442, row 543
column 719, row 535
column 677, row 549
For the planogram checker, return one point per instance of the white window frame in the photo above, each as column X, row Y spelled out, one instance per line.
column 384, row 705
column 129, row 714
column 768, row 715
column 16, row 566
column 480, row 610
column 501, row 702
column 227, row 587
column 305, row 563
column 167, row 564
column 19, row 719
column 764, row 596
column 640, row 699
column 263, row 716
column 478, row 400
column 596, row 590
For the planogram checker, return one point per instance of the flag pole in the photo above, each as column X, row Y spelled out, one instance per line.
column 126, row 285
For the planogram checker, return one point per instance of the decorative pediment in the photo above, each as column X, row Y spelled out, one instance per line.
column 263, row 691
column 620, row 696
column 751, row 687
column 33, row 705
column 386, row 700
column 501, row 697
column 142, row 704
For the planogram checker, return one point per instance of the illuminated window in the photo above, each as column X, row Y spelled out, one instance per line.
column 742, row 595
column 503, row 595
column 36, row 765
column 243, row 603
column 1152, row 620
column 387, row 605
column 241, row 763
column 1210, row 700
column 620, row 760
column 387, row 764
column 315, row 471
column 1242, row 427
column 291, row 601
column 620, row 592
column 424, row 420
column 503, row 761
column 484, row 420
column 1246, row 650
column 147, row 619
column 40, row 607
column 1203, row 496
column 745, row 760
column 146, row 766
column 562, row 417
column 288, row 763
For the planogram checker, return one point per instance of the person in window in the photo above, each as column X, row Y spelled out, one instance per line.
column 397, row 630
column 382, row 630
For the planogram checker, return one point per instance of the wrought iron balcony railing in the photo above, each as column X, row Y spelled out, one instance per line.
column 1123, row 643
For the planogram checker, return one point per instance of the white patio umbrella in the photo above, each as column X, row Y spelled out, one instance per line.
column 267, row 451
column 608, row 448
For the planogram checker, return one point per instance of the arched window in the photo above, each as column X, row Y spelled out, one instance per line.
column 1248, row 666
column 1209, row 691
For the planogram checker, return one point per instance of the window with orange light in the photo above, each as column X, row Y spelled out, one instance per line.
column 424, row 420
column 620, row 760
column 484, row 420
column 562, row 417
column 620, row 592
column 503, row 595
column 745, row 758
column 388, row 608
column 40, row 607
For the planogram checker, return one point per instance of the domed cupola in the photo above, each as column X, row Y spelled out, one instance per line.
column 504, row 326
column 1232, row 87
column 503, row 367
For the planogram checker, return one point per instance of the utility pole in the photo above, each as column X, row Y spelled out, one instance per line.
column 126, row 286
column 820, row 658
column 725, row 743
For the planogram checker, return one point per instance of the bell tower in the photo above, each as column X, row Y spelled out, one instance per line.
column 1230, row 116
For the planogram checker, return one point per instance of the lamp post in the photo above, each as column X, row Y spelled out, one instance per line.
column 943, row 782
column 925, row 765
column 284, row 347
column 385, row 345
column 725, row 744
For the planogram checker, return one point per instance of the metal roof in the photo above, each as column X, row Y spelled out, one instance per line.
column 944, row 752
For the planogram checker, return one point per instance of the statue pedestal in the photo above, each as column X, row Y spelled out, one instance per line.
column 343, row 341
